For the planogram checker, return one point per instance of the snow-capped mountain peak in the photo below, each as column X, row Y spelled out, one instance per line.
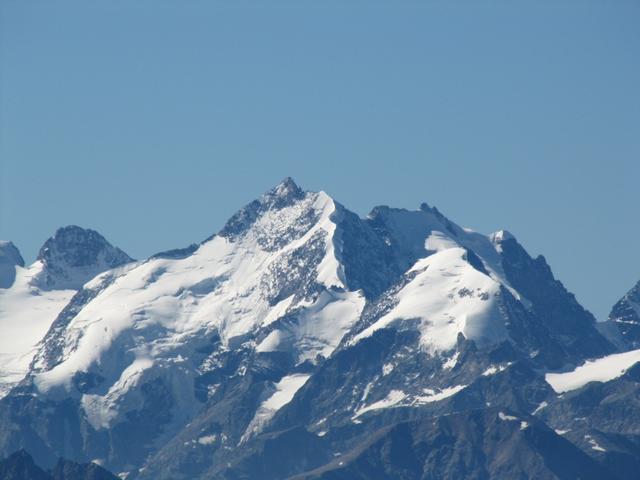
column 37, row 294
column 298, row 312
column 501, row 236
column 73, row 256
column 271, row 280
column 283, row 195
column 447, row 296
column 285, row 192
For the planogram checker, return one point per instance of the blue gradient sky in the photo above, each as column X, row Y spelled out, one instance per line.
column 153, row 121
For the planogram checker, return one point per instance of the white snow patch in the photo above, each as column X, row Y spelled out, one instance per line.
column 438, row 241
column 330, row 270
column 277, row 311
column 393, row 398
column 600, row 370
column 500, row 236
column 366, row 391
column 433, row 396
column 540, row 407
column 493, row 369
column 207, row 439
column 322, row 325
column 451, row 362
column 271, row 342
column 505, row 417
column 387, row 368
column 285, row 390
column 594, row 444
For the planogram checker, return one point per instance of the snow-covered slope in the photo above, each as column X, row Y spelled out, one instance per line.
column 276, row 259
column 26, row 313
column 275, row 278
column 599, row 370
column 36, row 295
column 297, row 314
column 453, row 280
column 446, row 296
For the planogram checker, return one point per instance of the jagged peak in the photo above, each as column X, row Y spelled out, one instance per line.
column 284, row 194
column 501, row 236
column 286, row 188
column 79, row 246
column 9, row 254
column 73, row 255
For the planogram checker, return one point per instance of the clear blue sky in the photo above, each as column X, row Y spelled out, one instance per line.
column 153, row 121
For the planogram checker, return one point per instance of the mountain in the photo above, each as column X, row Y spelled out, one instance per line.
column 486, row 443
column 10, row 258
column 74, row 256
column 623, row 324
column 32, row 297
column 20, row 466
column 302, row 328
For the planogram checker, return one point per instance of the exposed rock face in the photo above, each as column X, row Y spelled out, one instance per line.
column 394, row 346
column 20, row 466
column 10, row 258
column 75, row 255
column 488, row 443
column 624, row 318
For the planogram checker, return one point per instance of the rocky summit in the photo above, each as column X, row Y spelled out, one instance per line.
column 303, row 341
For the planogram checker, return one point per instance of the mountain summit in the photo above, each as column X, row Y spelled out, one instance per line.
column 32, row 297
column 301, row 327
column 75, row 255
